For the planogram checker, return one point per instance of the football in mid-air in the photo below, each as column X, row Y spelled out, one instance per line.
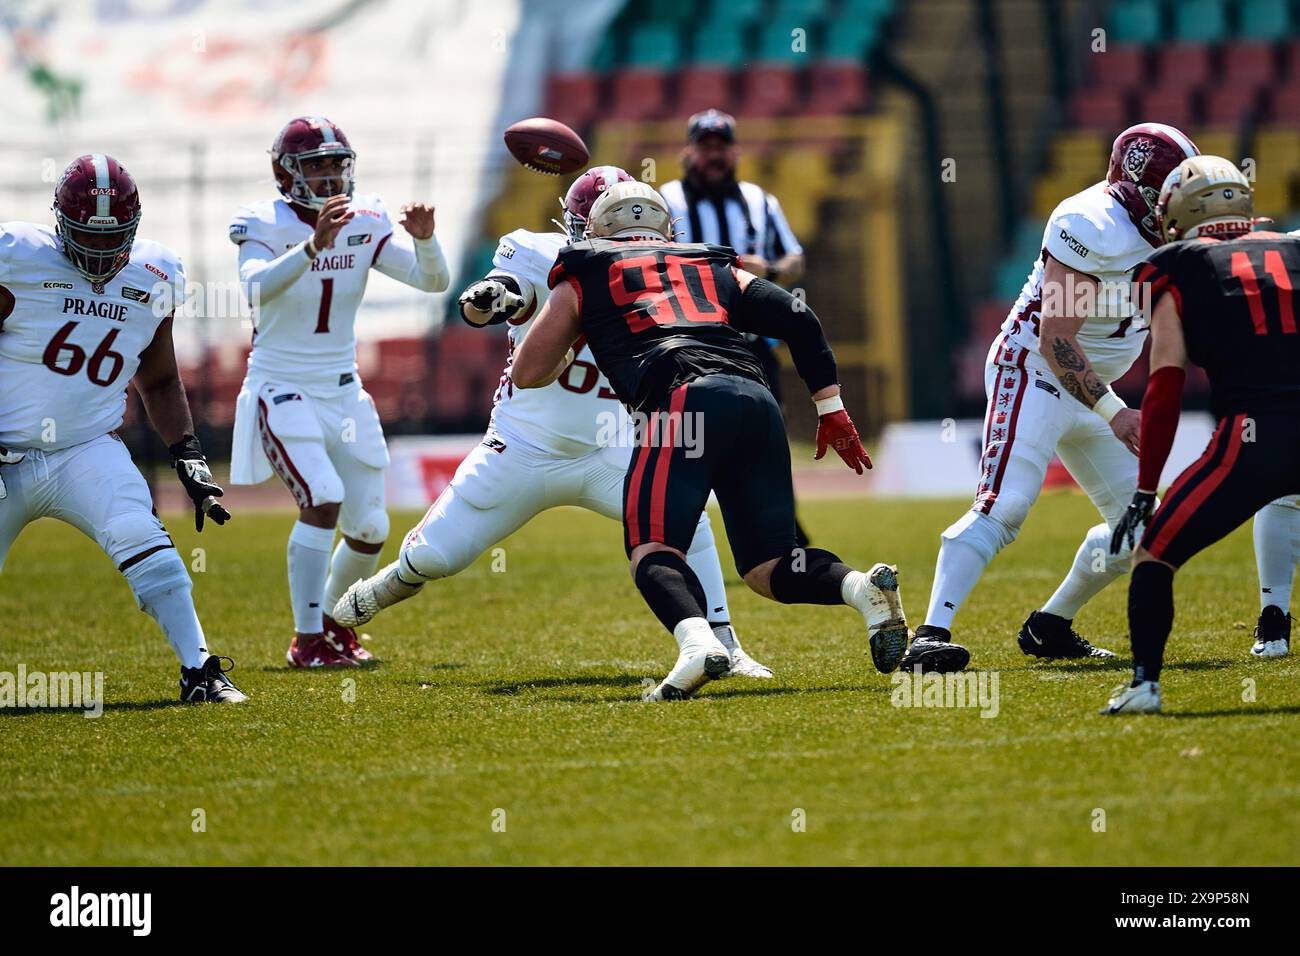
column 546, row 146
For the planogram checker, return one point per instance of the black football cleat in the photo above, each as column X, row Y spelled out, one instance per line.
column 1272, row 633
column 209, row 683
column 933, row 651
column 1051, row 637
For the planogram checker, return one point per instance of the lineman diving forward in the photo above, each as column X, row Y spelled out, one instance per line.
column 558, row 445
column 664, row 321
column 1223, row 299
column 304, row 259
column 86, row 308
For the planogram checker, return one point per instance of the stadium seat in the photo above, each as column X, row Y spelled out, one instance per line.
column 1172, row 106
column 702, row 88
column 1121, row 67
column 720, row 42
column 845, row 39
column 1223, row 142
column 808, row 10
column 781, row 42
column 639, row 94
column 1251, row 65
column 1183, row 65
column 654, row 45
column 1264, row 20
column 573, row 98
column 836, row 87
column 1081, row 150
column 769, row 90
column 1135, row 21
column 1200, row 21
column 1229, row 106
column 672, row 11
column 1104, row 110
column 1284, row 104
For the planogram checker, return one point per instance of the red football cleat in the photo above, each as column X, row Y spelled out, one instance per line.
column 316, row 652
column 346, row 642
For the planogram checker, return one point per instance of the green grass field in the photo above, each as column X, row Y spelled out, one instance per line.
column 519, row 691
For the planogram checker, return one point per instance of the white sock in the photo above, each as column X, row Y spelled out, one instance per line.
column 162, row 589
column 956, row 573
column 1094, row 567
column 703, row 560
column 309, row 558
column 346, row 568
column 1277, row 547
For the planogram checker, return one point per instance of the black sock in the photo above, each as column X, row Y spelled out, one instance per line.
column 670, row 587
column 809, row 576
column 1150, row 616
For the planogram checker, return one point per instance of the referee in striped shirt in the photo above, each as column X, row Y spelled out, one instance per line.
column 708, row 204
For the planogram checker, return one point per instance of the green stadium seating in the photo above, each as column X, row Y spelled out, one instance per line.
column 848, row 39
column 1200, row 21
column 806, row 10
column 776, row 41
column 720, row 42
column 654, row 45
column 1264, row 20
column 1135, row 21
column 668, row 11
column 872, row 10
column 737, row 11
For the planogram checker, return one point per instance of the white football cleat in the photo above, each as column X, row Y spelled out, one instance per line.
column 742, row 665
column 366, row 598
column 1142, row 699
column 702, row 658
column 1278, row 648
column 875, row 594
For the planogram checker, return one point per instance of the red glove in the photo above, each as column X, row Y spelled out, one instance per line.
column 836, row 430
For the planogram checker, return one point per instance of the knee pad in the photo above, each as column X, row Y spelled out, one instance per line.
column 326, row 489
column 129, row 533
column 432, row 559
column 157, row 574
column 808, row 576
column 371, row 527
column 986, row 534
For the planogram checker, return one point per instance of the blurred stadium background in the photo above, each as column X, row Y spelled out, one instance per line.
column 916, row 147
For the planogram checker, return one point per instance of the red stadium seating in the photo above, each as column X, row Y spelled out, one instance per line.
column 769, row 90
column 639, row 95
column 573, row 98
column 1284, row 104
column 836, row 87
column 1183, row 65
column 1122, row 67
column 1169, row 105
column 1104, row 110
column 702, row 88
column 1227, row 107
column 1249, row 65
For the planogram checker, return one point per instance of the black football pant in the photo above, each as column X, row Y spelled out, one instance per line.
column 719, row 433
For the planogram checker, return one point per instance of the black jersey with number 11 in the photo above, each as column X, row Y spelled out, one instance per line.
column 657, row 313
column 1238, row 308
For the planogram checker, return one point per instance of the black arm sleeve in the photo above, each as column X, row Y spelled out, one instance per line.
column 767, row 309
column 485, row 302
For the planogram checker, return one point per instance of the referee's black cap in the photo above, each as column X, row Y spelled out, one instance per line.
column 712, row 123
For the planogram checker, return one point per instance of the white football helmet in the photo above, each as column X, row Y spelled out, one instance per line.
column 630, row 210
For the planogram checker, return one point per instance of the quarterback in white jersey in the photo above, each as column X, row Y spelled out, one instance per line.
column 302, row 413
column 86, row 308
column 1077, row 326
column 567, row 443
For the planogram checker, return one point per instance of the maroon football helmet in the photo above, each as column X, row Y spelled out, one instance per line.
column 96, row 214
column 1140, row 159
column 586, row 189
column 305, row 138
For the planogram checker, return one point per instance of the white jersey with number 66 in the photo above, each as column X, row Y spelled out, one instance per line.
column 576, row 413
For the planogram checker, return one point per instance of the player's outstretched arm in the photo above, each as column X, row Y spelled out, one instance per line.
column 416, row 261
column 1064, row 292
column 497, row 297
column 158, row 381
column 546, row 350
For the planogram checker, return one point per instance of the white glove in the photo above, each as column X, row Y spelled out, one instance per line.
column 489, row 295
column 8, row 457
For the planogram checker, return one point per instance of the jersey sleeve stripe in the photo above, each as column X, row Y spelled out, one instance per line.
column 380, row 248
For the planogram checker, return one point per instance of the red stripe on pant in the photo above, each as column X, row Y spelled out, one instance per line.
column 632, row 507
column 1173, row 522
column 991, row 496
column 282, row 456
column 668, row 442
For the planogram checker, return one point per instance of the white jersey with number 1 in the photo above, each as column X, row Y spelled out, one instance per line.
column 576, row 413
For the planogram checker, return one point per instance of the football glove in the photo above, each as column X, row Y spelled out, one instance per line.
column 192, row 469
column 1136, row 515
column 8, row 457
column 492, row 295
column 836, row 429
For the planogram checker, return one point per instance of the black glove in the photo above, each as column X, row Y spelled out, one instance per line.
column 192, row 469
column 1136, row 515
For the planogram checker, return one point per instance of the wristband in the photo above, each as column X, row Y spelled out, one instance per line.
column 1109, row 405
column 187, row 448
column 309, row 247
column 826, row 406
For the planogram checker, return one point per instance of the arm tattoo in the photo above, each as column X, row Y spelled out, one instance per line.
column 1066, row 356
column 1069, row 362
